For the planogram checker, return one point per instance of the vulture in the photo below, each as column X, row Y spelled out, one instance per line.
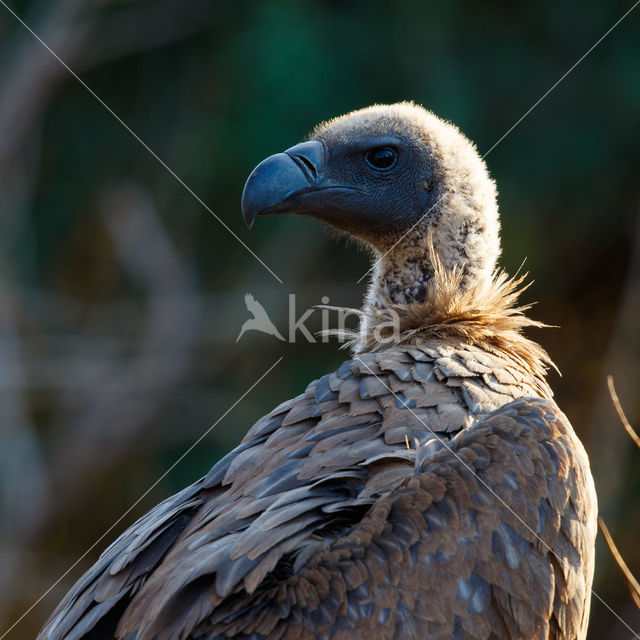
column 429, row 488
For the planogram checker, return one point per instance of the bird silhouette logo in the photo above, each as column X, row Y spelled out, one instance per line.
column 260, row 320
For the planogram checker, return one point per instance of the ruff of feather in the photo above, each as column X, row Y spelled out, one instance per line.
column 487, row 315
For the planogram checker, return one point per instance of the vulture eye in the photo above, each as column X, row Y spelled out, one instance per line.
column 381, row 158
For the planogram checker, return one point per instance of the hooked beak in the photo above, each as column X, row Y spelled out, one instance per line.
column 273, row 186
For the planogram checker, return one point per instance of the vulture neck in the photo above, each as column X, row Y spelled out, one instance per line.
column 399, row 279
column 417, row 302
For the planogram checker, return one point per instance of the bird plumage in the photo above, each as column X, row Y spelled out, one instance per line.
column 428, row 488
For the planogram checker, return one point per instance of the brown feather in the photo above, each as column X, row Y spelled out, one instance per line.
column 486, row 315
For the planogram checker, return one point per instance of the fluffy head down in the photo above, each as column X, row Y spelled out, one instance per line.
column 435, row 238
column 443, row 189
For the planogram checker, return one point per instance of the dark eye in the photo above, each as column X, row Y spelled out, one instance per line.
column 381, row 158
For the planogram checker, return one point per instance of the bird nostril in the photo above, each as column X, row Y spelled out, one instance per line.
column 306, row 165
column 310, row 158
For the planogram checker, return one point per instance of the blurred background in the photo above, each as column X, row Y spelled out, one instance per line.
column 121, row 296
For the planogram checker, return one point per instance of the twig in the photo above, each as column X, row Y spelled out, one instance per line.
column 623, row 418
column 632, row 583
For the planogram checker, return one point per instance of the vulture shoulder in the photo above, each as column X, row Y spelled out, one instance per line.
column 405, row 495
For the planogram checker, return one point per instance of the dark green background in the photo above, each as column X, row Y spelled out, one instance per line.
column 213, row 88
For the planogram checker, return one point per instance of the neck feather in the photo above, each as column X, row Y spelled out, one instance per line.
column 485, row 313
column 399, row 279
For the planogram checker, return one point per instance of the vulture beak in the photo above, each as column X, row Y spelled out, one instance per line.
column 275, row 184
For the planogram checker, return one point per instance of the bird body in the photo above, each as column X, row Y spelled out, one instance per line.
column 428, row 488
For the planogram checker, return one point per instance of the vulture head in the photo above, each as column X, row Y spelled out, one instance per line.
column 398, row 179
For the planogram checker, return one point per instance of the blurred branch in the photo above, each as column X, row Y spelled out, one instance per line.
column 82, row 39
column 119, row 414
column 152, row 26
column 22, row 472
column 31, row 74
column 24, row 481
column 23, row 478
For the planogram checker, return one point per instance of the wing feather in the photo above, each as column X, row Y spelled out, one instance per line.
column 322, row 517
